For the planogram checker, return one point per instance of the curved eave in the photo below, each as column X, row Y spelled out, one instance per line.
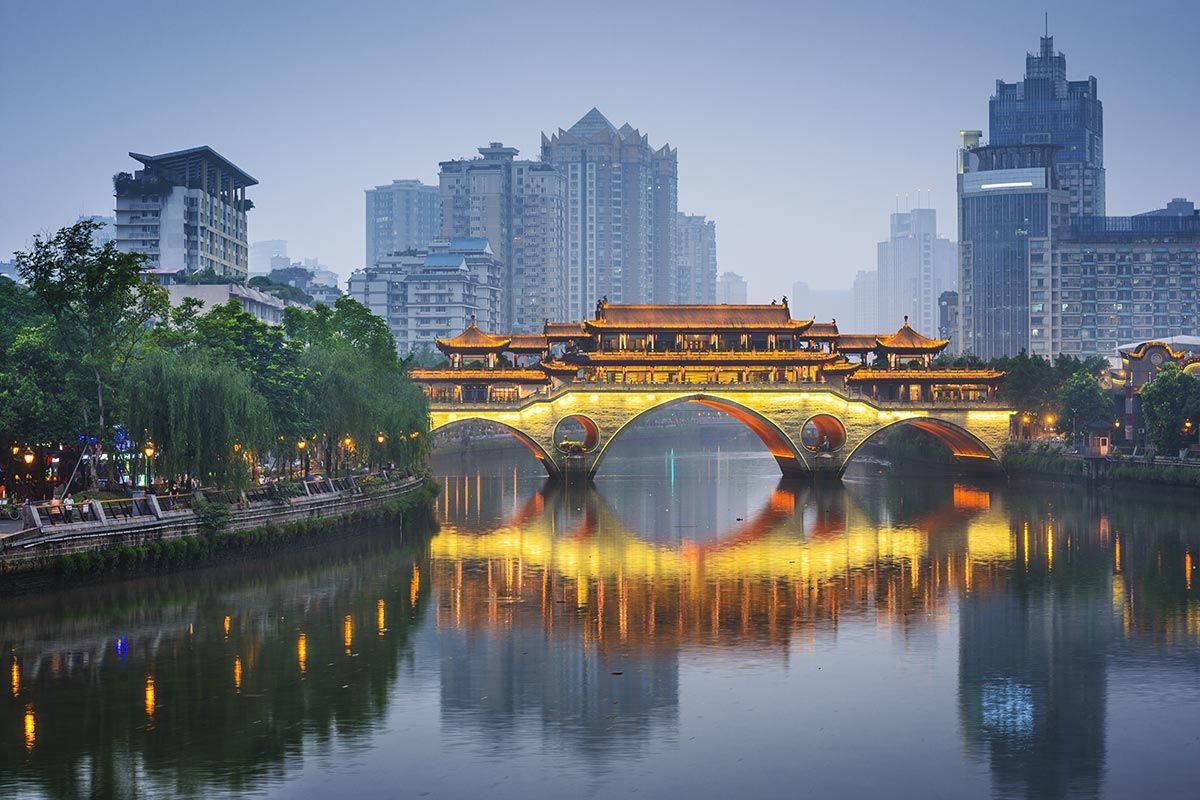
column 479, row 376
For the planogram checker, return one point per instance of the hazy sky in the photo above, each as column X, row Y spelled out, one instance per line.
column 797, row 123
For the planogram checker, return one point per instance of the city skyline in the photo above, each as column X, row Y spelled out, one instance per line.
column 310, row 190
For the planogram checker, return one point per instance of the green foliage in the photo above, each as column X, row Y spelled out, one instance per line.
column 212, row 517
column 283, row 291
column 1168, row 403
column 1082, row 402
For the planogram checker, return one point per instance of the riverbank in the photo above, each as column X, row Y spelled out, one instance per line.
column 1024, row 460
column 209, row 534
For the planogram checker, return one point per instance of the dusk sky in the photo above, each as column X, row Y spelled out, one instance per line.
column 797, row 124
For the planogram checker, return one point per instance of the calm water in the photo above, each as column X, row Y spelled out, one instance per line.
column 691, row 628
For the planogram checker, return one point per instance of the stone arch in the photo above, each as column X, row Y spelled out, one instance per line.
column 591, row 431
column 961, row 443
column 791, row 461
column 538, row 451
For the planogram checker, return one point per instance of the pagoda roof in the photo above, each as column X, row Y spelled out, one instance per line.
column 528, row 342
column 822, row 330
column 473, row 340
column 695, row 317
column 841, row 367
column 557, row 331
column 907, row 340
column 928, row 375
column 857, row 342
column 1140, row 351
column 708, row 358
column 558, row 367
column 479, row 376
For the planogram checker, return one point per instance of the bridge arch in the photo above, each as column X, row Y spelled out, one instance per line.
column 961, row 442
column 591, row 431
column 791, row 461
column 538, row 451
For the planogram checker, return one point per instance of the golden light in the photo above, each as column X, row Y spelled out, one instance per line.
column 414, row 586
column 1026, row 419
column 302, row 653
column 16, row 678
column 380, row 616
column 149, row 450
column 301, row 444
column 414, row 434
column 347, row 443
column 30, row 728
column 226, row 626
column 237, row 673
column 1049, row 419
column 1116, row 423
column 347, row 633
column 380, row 439
column 149, row 696
column 237, row 447
column 16, row 450
column 28, row 457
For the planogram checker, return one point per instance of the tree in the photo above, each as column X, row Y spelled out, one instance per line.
column 1082, row 401
column 1168, row 403
column 101, row 307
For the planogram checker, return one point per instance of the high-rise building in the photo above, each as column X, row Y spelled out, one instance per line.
column 914, row 266
column 517, row 206
column 731, row 289
column 948, row 320
column 107, row 232
column 185, row 210
column 262, row 252
column 695, row 259
column 621, row 213
column 824, row 304
column 866, row 301
column 426, row 294
column 1009, row 203
column 1046, row 108
column 400, row 215
column 1105, row 282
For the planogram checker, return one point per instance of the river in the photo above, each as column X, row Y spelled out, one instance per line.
column 691, row 626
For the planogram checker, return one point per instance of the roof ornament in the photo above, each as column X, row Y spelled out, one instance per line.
column 785, row 301
column 905, row 319
column 473, row 319
column 773, row 301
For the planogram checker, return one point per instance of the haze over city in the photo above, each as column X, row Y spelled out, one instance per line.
column 799, row 127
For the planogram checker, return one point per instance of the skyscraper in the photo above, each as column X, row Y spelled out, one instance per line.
column 263, row 251
column 400, row 216
column 914, row 267
column 185, row 210
column 824, row 304
column 731, row 288
column 1009, row 204
column 518, row 206
column 695, row 259
column 620, row 213
column 1046, row 108
column 866, row 301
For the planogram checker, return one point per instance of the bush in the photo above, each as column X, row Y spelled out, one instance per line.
column 212, row 517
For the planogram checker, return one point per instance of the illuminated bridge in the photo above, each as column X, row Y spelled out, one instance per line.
column 811, row 394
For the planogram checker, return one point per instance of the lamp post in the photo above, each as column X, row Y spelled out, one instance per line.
column 302, row 446
column 148, row 451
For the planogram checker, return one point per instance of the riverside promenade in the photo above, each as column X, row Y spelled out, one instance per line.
column 48, row 531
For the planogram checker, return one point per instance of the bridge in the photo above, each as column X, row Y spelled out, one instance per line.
column 808, row 430
column 812, row 394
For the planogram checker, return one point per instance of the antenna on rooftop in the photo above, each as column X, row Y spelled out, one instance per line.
column 1047, row 19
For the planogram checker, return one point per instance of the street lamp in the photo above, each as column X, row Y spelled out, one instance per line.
column 380, row 439
column 148, row 451
column 28, row 458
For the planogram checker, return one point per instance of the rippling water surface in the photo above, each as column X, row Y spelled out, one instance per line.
column 691, row 626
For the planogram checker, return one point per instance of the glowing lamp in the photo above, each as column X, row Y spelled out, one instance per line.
column 347, row 442
column 301, row 444
column 380, row 439
column 28, row 457
column 16, row 450
column 149, row 449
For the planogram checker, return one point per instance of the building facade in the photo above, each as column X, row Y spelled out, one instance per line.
column 426, row 294
column 185, row 210
column 1046, row 108
column 731, row 289
column 913, row 267
column 517, row 206
column 620, row 213
column 837, row 304
column 695, row 259
column 866, row 300
column 1107, row 281
column 948, row 320
column 1009, row 204
column 402, row 215
column 262, row 252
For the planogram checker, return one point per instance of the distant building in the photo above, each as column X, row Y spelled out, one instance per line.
column 1047, row 109
column 185, row 209
column 731, row 288
column 1009, row 203
column 866, row 301
column 948, row 320
column 399, row 216
column 309, row 276
column 914, row 266
column 824, row 304
column 517, row 206
column 1104, row 281
column 265, row 307
column 621, row 213
column 425, row 294
column 262, row 252
column 107, row 231
column 8, row 269
column 695, row 259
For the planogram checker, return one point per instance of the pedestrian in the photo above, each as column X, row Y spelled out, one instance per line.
column 69, row 508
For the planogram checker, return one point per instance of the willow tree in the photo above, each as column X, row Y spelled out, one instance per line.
column 203, row 415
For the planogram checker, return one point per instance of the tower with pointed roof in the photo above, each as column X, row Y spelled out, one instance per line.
column 620, row 213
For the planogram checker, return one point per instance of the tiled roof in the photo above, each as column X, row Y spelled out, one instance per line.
column 935, row 375
column 479, row 375
column 855, row 342
column 473, row 340
column 908, row 340
column 685, row 358
column 822, row 330
column 564, row 330
column 702, row 317
column 533, row 342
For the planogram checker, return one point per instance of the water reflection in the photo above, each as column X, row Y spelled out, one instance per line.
column 649, row 634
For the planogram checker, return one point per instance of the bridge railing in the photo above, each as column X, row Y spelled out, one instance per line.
column 599, row 387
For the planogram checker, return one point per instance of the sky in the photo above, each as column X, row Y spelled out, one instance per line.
column 800, row 126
